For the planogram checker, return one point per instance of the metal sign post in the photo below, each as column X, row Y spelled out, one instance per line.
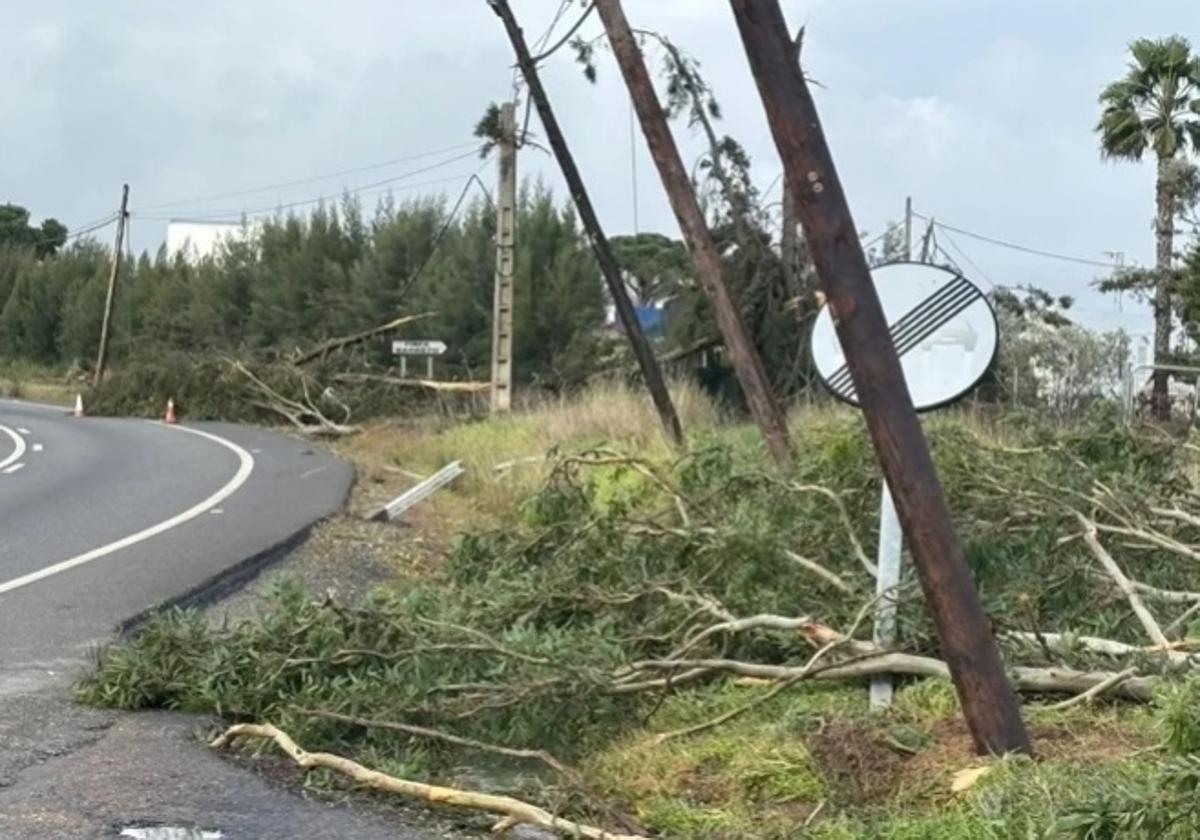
column 945, row 333
column 887, row 562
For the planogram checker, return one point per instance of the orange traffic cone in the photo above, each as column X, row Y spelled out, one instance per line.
column 78, row 412
column 169, row 417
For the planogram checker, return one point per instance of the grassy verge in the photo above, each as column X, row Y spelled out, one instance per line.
column 20, row 380
column 578, row 547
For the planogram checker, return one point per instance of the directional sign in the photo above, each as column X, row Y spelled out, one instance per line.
column 942, row 326
column 422, row 347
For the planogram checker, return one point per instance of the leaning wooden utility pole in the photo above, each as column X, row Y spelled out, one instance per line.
column 106, row 324
column 988, row 702
column 591, row 224
column 506, row 224
column 705, row 257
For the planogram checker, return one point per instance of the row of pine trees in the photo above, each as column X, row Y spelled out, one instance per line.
column 299, row 280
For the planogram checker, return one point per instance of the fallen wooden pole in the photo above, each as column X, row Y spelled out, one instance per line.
column 989, row 704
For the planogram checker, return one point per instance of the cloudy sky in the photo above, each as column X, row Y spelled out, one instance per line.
column 982, row 110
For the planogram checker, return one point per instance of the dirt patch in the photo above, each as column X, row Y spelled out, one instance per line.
column 858, row 765
column 952, row 750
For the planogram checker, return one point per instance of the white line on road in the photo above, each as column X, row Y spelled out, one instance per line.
column 22, row 431
column 245, row 467
column 13, row 468
column 37, row 447
column 18, row 447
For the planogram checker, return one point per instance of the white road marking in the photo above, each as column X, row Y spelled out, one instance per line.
column 37, row 447
column 13, row 468
column 245, row 467
column 314, row 471
column 18, row 447
column 22, row 431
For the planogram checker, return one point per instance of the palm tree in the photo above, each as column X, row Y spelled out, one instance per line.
column 1156, row 106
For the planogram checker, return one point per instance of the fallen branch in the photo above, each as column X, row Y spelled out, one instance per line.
column 514, row 811
column 1063, row 642
column 765, row 621
column 295, row 412
column 846, row 521
column 427, row 384
column 1174, row 596
column 573, row 776
column 1024, row 679
column 1114, row 571
column 327, row 347
column 817, row 569
column 1096, row 690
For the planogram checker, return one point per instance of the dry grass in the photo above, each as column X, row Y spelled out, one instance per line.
column 505, row 457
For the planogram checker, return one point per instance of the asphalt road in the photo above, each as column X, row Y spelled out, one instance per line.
column 100, row 521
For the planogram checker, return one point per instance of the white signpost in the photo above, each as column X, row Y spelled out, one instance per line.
column 417, row 347
column 945, row 334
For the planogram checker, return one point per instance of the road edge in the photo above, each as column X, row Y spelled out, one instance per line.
column 236, row 577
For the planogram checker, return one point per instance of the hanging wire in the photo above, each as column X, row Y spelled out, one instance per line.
column 309, row 180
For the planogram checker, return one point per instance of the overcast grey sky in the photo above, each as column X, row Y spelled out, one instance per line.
column 982, row 110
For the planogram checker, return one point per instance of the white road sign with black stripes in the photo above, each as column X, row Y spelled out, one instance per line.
column 942, row 326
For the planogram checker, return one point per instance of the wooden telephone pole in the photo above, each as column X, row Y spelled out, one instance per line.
column 106, row 324
column 988, row 702
column 591, row 224
column 705, row 257
column 506, row 223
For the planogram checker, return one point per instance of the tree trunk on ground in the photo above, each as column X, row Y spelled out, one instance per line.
column 1164, row 223
column 707, row 261
column 651, row 371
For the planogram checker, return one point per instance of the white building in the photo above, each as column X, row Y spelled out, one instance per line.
column 196, row 239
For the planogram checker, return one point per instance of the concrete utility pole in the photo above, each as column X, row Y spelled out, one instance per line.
column 106, row 324
column 988, row 702
column 705, row 258
column 591, row 224
column 506, row 224
column 908, row 216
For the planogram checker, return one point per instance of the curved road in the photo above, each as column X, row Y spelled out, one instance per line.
column 102, row 519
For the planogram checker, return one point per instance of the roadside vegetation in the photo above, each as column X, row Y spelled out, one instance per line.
column 585, row 589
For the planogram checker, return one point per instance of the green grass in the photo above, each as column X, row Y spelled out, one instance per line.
column 38, row 383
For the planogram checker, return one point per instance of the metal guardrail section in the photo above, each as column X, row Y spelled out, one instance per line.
column 410, row 497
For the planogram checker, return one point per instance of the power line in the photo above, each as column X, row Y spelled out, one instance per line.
column 558, row 44
column 361, row 190
column 1023, row 248
column 441, row 234
column 301, row 181
column 967, row 258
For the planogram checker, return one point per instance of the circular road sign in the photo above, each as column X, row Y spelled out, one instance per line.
column 942, row 325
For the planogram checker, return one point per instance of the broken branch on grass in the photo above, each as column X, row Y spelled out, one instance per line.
column 295, row 412
column 513, row 811
column 427, row 384
column 1064, row 642
column 573, row 776
column 1114, row 571
column 326, row 347
column 1096, row 690
column 846, row 521
column 817, row 569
